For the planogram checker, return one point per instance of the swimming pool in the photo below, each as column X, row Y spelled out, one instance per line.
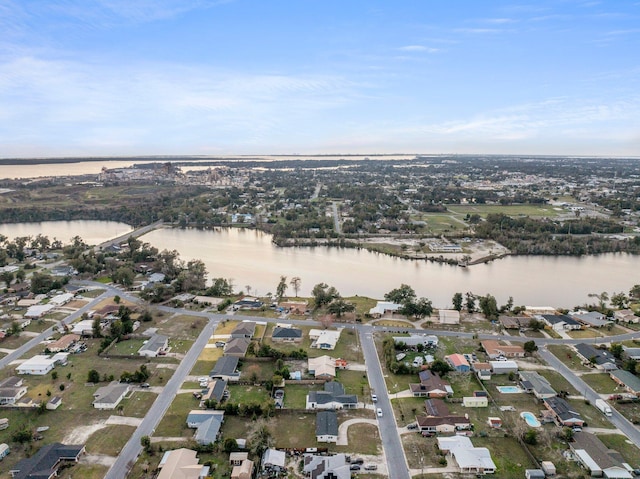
column 509, row 389
column 530, row 418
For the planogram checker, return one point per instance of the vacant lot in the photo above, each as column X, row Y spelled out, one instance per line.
column 600, row 382
column 568, row 356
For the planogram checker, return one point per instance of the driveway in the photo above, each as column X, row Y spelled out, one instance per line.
column 344, row 427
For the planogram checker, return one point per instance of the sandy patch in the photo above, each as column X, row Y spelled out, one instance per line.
column 81, row 434
column 100, row 459
column 123, row 421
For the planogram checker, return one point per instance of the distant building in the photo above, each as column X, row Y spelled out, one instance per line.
column 324, row 338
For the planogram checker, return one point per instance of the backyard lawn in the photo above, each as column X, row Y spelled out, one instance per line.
column 600, row 382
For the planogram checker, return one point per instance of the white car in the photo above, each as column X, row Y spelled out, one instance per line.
column 374, row 398
column 379, row 412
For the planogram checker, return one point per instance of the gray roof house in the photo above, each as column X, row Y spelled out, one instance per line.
column 215, row 390
column 108, row 397
column 532, row 382
column 601, row 358
column 599, row 460
column 46, row 462
column 245, row 329
column 591, row 318
column 327, row 426
column 237, row 347
column 564, row 414
column 154, row 345
column 226, row 368
column 561, row 322
column 627, row 380
column 632, row 353
column 11, row 390
column 286, row 335
column 274, row 460
column 207, row 424
column 333, row 397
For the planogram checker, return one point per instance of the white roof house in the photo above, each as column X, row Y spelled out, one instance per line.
column 38, row 310
column 384, row 307
column 81, row 326
column 324, row 338
column 37, row 365
column 61, row 299
column 470, row 459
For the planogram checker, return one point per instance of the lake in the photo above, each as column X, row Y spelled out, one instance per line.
column 248, row 257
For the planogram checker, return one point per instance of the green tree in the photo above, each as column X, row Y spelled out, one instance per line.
column 530, row 437
column 295, row 284
column 281, row 289
column 530, row 347
column 220, row 287
column 441, row 367
column 619, row 300
column 145, row 442
column 457, row 301
column 93, row 376
column 339, row 307
column 488, row 306
column 124, row 275
column 401, row 295
column 634, row 292
column 22, row 436
column 324, row 294
column 230, row 445
column 470, row 302
column 616, row 350
column 417, row 309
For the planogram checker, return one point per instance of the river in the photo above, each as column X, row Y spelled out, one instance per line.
column 248, row 257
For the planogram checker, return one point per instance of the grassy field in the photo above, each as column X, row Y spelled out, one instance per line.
column 589, row 333
column 109, row 440
column 355, row 434
column 354, row 382
column 86, row 471
column 510, row 459
column 600, row 382
column 620, row 443
column 295, row 394
column 173, row 424
column 558, row 382
column 239, row 394
column 180, row 327
column 568, row 356
column 440, row 223
column 362, row 304
column 538, row 211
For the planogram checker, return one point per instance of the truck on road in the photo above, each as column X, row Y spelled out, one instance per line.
column 603, row 406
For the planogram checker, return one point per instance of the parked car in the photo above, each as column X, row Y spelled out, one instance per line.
column 145, row 385
column 379, row 412
column 370, row 467
column 374, row 398
column 357, row 461
column 354, row 467
column 278, row 394
column 412, row 427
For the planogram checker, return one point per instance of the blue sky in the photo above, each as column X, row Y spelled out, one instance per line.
column 128, row 77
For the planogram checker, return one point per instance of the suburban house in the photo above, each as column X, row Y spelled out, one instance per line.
column 535, row 384
column 332, row 397
column 561, row 322
column 154, row 345
column 600, row 358
column 503, row 367
column 247, row 303
column 237, row 347
column 37, row 365
column 470, row 459
column 458, row 362
column 83, row 328
column 46, row 462
column 61, row 299
column 632, row 353
column 64, row 343
column 591, row 319
column 38, row 310
column 245, row 329
column 237, row 458
column 413, row 340
column 326, row 467
column 108, row 397
column 384, row 308
column 431, row 386
column 324, row 338
column 482, row 370
column 449, row 316
column 495, row 349
column 323, row 367
column 226, row 368
column 207, row 424
column 597, row 458
column 286, row 335
column 562, row 412
column 215, row 391
column 627, row 380
column 181, row 464
column 244, row 470
column 11, row 390
column 438, row 419
column 327, row 426
column 626, row 316
column 274, row 460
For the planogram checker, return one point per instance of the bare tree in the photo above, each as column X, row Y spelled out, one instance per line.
column 295, row 284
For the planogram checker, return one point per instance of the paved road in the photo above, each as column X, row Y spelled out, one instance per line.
column 132, row 449
column 391, row 443
column 32, row 343
column 336, row 218
column 617, row 419
column 135, row 233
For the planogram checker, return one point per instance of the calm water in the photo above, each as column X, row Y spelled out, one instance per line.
column 60, row 169
column 249, row 258
column 92, row 232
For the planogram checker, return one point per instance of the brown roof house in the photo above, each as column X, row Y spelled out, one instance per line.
column 431, row 385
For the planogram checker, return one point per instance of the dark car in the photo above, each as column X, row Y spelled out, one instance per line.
column 358, row 461
column 354, row 467
column 412, row 427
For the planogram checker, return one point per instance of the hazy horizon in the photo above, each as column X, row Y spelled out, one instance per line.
column 127, row 78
